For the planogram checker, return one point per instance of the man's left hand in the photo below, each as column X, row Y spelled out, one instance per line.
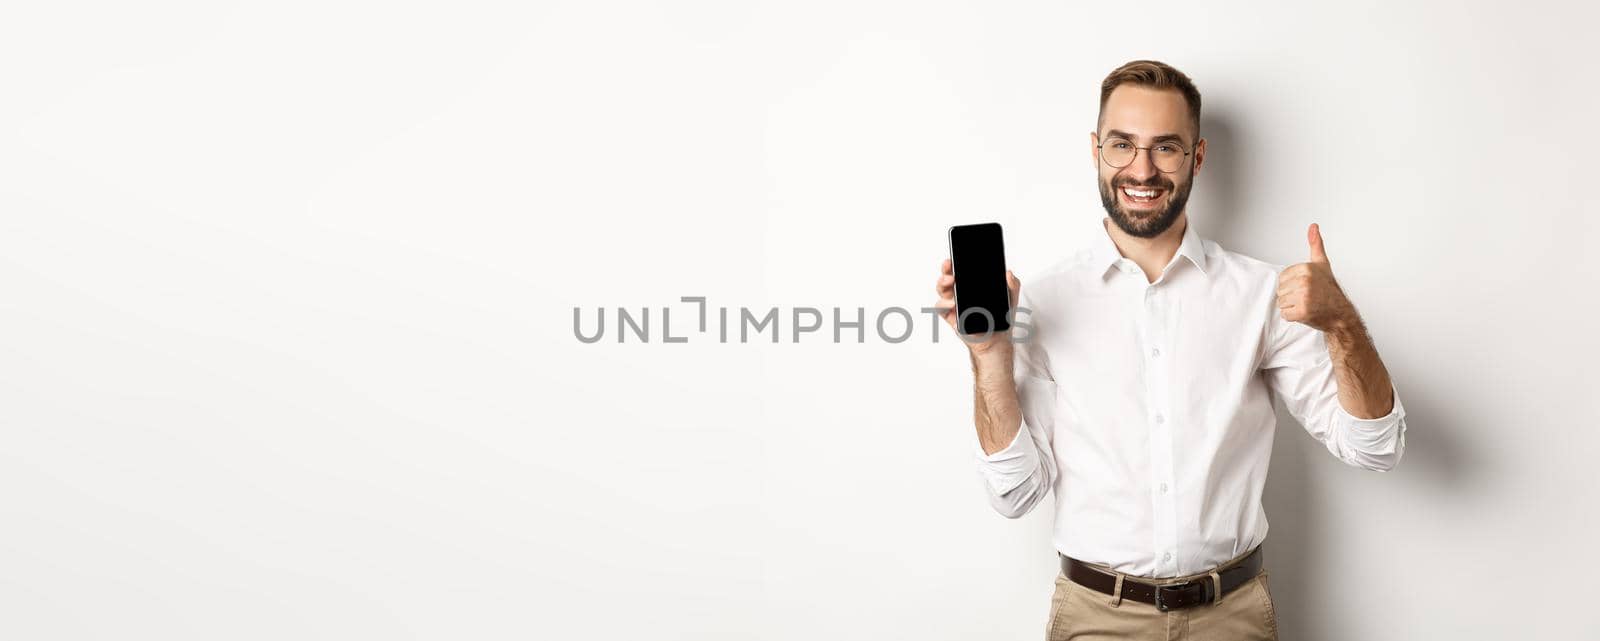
column 1307, row 292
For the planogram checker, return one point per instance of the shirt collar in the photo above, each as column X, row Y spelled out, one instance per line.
column 1106, row 255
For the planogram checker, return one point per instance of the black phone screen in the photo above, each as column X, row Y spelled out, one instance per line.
column 978, row 258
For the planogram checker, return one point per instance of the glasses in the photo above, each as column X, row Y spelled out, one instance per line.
column 1119, row 152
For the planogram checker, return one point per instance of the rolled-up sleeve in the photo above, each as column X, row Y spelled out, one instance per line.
column 1299, row 370
column 1019, row 476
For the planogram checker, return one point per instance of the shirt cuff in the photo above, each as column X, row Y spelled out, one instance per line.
column 1010, row 467
column 1003, row 453
column 1380, row 435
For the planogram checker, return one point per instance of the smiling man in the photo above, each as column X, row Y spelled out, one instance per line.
column 1143, row 399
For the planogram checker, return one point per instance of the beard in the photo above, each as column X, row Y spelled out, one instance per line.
column 1145, row 225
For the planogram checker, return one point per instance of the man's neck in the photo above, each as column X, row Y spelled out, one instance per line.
column 1150, row 254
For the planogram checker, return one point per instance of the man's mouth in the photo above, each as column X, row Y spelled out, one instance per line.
column 1141, row 195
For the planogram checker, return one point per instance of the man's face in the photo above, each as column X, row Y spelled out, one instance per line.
column 1142, row 199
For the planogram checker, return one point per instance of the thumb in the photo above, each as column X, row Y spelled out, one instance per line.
column 1314, row 236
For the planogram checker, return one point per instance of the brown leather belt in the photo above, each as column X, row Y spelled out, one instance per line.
column 1165, row 596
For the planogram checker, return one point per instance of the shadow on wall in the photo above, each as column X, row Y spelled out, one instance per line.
column 1219, row 204
column 1305, row 561
column 1301, row 557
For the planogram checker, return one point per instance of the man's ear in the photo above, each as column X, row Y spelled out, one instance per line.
column 1199, row 155
column 1094, row 149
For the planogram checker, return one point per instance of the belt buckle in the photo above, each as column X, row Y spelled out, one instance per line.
column 1161, row 603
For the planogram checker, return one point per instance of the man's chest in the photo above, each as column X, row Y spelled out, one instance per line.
column 1150, row 345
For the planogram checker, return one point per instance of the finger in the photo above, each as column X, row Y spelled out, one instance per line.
column 947, row 307
column 1013, row 284
column 1314, row 237
column 946, row 286
column 1295, row 280
column 947, row 267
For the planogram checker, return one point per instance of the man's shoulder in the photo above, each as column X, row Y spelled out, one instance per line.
column 1063, row 268
column 1242, row 264
column 1064, row 278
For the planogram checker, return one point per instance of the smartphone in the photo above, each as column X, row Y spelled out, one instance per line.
column 978, row 259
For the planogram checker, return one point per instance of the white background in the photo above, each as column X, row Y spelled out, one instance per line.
column 286, row 297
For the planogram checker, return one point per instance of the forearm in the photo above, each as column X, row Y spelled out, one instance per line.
column 996, row 411
column 1365, row 390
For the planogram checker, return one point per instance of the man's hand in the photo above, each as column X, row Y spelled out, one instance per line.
column 946, row 287
column 1307, row 292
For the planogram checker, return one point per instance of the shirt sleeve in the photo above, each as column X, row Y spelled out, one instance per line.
column 1299, row 370
column 1019, row 476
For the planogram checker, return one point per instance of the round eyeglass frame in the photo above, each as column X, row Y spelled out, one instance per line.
column 1136, row 149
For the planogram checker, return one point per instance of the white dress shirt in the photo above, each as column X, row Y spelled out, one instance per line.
column 1147, row 407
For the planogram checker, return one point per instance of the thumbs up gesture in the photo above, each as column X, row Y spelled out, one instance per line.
column 1307, row 292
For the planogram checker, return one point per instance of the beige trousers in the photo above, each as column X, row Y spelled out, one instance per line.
column 1082, row 614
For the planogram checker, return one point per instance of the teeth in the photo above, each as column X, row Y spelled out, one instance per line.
column 1139, row 193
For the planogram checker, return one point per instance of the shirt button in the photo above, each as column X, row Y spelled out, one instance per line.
column 1163, row 488
column 1166, row 557
column 1155, row 352
column 1160, row 419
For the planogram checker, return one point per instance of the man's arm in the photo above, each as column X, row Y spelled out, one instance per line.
column 1308, row 294
column 1014, row 458
column 995, row 410
column 1322, row 362
column 1365, row 390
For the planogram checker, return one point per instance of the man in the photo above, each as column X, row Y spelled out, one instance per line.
column 1143, row 397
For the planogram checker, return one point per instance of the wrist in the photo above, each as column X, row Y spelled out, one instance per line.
column 993, row 363
column 1347, row 329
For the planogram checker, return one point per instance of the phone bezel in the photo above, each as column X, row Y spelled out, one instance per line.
column 1003, row 323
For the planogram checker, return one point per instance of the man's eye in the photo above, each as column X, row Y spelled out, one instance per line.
column 1166, row 149
column 1121, row 145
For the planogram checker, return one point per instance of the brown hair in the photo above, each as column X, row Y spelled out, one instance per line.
column 1155, row 75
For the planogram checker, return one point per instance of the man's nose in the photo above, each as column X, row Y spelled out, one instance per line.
column 1142, row 166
